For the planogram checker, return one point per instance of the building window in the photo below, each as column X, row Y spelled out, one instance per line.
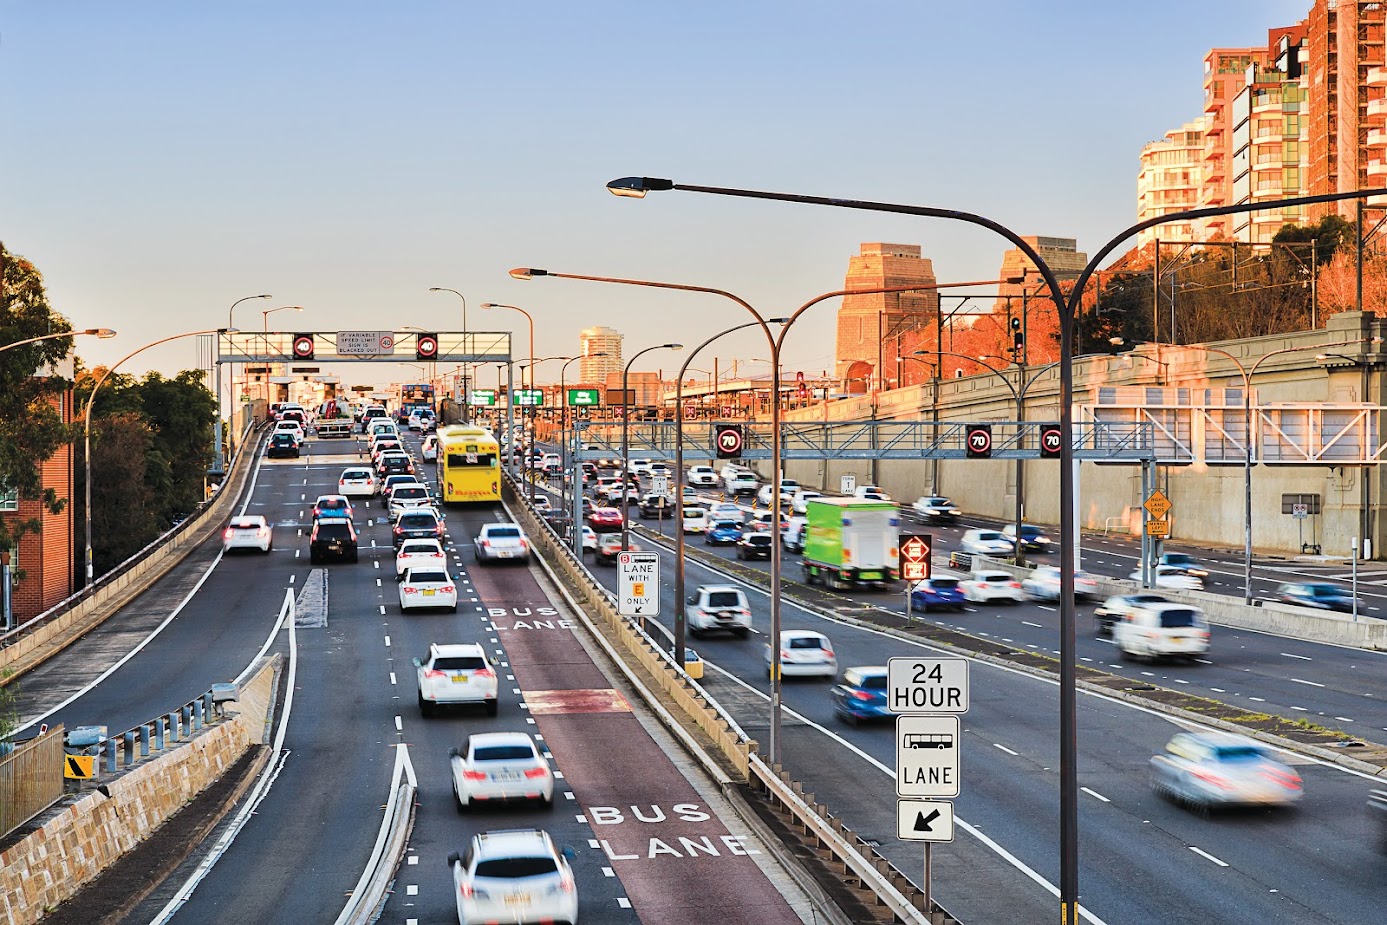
column 9, row 500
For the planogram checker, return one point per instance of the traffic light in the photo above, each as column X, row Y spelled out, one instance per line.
column 1018, row 340
column 426, row 347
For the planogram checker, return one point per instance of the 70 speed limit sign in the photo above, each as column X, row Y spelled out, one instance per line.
column 728, row 440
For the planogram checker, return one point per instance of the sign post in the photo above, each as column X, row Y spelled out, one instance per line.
column 914, row 565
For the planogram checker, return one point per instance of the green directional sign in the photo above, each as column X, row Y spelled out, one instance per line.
column 527, row 398
column 584, row 398
column 482, row 398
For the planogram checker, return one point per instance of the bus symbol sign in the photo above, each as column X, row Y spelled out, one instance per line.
column 927, row 756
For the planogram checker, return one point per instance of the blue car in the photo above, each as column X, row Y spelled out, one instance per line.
column 862, row 695
column 934, row 593
column 723, row 533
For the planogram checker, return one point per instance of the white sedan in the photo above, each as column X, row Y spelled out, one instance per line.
column 804, row 653
column 249, row 532
column 428, row 450
column 1168, row 576
column 499, row 542
column 420, row 554
column 357, row 482
column 428, row 587
column 992, row 585
column 987, row 543
column 493, row 767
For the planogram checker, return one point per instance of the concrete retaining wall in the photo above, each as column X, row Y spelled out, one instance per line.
column 87, row 836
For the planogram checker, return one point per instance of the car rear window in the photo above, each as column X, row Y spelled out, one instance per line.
column 1174, row 619
column 944, row 584
column 455, row 662
column 410, row 491
column 874, row 682
column 334, row 504
column 418, row 521
column 516, row 868
column 758, row 539
column 429, row 577
column 357, row 474
column 724, row 599
column 502, row 753
column 990, row 535
column 505, row 533
column 1238, row 753
column 334, row 530
column 806, row 642
column 284, row 438
column 416, row 549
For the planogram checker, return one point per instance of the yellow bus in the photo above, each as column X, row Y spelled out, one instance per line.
column 469, row 464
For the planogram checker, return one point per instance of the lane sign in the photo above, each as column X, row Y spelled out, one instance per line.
column 847, row 484
column 1160, row 529
column 659, row 484
column 1050, row 440
column 584, row 398
column 1300, row 510
column 978, row 440
column 915, row 556
column 927, row 685
column 925, row 820
column 365, row 343
column 638, row 584
column 927, row 756
column 1157, row 504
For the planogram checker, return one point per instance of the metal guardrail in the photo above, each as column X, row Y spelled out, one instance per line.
column 373, row 886
column 67, row 604
column 31, row 779
column 125, row 749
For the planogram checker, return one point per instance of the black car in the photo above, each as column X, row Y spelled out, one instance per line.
column 333, row 538
column 755, row 546
column 282, row 446
column 394, row 464
column 651, row 505
column 417, row 525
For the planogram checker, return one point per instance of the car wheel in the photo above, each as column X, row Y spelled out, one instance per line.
column 741, row 633
column 425, row 707
column 453, row 609
column 457, row 801
column 491, row 707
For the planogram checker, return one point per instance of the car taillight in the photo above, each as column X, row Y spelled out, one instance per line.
column 536, row 772
column 410, row 589
column 1289, row 780
column 434, row 673
column 861, row 695
column 484, row 673
column 399, row 529
column 229, row 533
column 466, row 891
column 473, row 775
column 446, row 589
column 566, row 883
column 1212, row 778
column 486, row 544
column 828, row 653
column 1013, row 584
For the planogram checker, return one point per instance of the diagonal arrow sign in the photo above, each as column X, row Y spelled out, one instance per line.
column 922, row 822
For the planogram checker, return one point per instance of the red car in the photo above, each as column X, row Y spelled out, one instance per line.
column 604, row 519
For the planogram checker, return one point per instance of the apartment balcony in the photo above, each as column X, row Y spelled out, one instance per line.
column 1267, row 165
column 1377, row 138
column 1376, row 77
column 1377, row 168
column 1270, row 102
column 1377, row 108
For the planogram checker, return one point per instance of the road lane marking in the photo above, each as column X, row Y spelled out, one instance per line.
column 623, row 902
column 1218, row 690
column 399, row 725
column 1206, row 855
column 1301, row 709
column 1258, row 699
column 387, row 641
column 1304, row 658
column 392, row 677
column 1311, row 683
column 1343, row 719
column 1005, row 749
column 1036, row 625
column 1095, row 794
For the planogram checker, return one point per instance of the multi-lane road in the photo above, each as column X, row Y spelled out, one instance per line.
column 654, row 840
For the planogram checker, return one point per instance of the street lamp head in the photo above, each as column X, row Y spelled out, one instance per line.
column 527, row 273
column 263, row 295
column 777, row 321
column 1117, row 341
column 637, row 187
column 674, row 346
column 102, row 333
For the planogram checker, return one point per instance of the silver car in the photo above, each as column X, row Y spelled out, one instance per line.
column 1212, row 770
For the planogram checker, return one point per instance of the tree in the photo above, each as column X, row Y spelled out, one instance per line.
column 31, row 429
column 124, row 513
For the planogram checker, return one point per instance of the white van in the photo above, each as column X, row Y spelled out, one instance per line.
column 1159, row 630
column 793, row 536
column 740, row 482
column 695, row 519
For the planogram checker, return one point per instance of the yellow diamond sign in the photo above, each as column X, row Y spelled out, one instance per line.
column 1157, row 505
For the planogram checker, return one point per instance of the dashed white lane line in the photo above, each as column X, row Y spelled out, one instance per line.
column 1343, row 719
column 382, row 609
column 1095, row 794
column 1206, row 855
column 377, row 582
column 387, row 642
column 592, row 842
column 291, row 578
column 1311, row 683
column 1036, row 625
column 1301, row 709
column 412, row 859
column 1218, row 690
column 399, row 724
column 1258, row 699
column 392, row 677
column 623, row 902
column 1004, row 748
column 412, row 889
column 1303, row 658
column 608, row 872
column 298, row 552
column 375, row 563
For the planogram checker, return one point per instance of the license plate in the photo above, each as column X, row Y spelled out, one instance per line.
column 458, row 678
column 518, row 899
column 503, row 554
column 428, row 592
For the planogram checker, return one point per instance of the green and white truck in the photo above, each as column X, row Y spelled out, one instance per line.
column 850, row 541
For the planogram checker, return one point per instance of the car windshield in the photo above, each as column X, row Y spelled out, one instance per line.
column 724, row 599
column 515, row 868
column 806, row 642
column 429, row 577
column 1238, row 753
column 990, row 535
column 1326, row 591
column 459, row 662
column 409, row 491
column 505, row 533
column 1179, row 558
column 502, row 753
column 1174, row 619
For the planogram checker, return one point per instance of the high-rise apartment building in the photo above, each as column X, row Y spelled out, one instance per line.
column 1225, row 72
column 1345, row 83
column 592, row 341
column 1170, row 180
column 1269, row 147
column 865, row 322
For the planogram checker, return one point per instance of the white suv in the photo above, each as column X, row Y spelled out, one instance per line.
column 453, row 674
column 408, row 496
column 514, row 876
column 501, row 541
column 702, row 476
column 718, row 607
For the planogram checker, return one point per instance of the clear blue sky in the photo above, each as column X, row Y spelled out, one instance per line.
column 161, row 160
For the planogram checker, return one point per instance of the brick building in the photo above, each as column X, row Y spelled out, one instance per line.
column 46, row 555
column 869, row 324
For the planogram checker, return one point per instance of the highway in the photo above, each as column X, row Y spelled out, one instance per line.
column 628, row 809
column 1143, row 859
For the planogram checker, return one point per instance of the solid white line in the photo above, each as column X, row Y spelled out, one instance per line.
column 1208, row 856
column 1304, row 658
column 1094, row 793
column 1311, row 683
column 1004, row 748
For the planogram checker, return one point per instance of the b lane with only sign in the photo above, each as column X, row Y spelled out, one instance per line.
column 638, row 584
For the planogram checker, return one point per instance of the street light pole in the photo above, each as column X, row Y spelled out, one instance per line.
column 626, row 404
column 466, row 387
column 265, row 330
column 219, row 458
column 87, row 430
column 94, row 332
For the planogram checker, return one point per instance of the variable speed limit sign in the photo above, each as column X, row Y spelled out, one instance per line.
column 1051, row 440
column 728, row 439
column 978, row 438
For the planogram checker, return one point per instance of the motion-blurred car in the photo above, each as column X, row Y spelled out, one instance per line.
column 1213, row 770
column 609, row 547
column 755, row 545
column 250, row 531
column 804, row 653
column 718, row 607
column 428, row 450
column 1166, row 630
column 455, row 674
column 1033, row 538
column 421, row 554
column 497, row 767
column 1117, row 607
column 861, row 695
column 992, row 585
column 589, row 540
column 937, row 593
column 501, row 542
column 542, row 504
column 871, row 493
column 694, row 519
column 788, row 487
column 1043, row 584
column 727, row 510
column 1168, row 576
column 1185, row 562
column 723, row 533
column 935, row 509
column 428, row 587
column 657, row 505
column 1319, row 595
column 514, row 876
column 356, row 482
column 604, row 519
column 702, row 476
column 983, row 542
